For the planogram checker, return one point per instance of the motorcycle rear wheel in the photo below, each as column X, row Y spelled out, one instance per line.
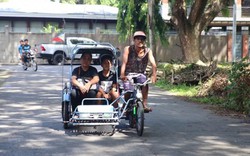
column 25, row 67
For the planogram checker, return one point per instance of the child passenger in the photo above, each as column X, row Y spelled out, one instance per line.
column 107, row 81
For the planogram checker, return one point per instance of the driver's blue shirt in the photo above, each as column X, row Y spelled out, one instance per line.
column 26, row 48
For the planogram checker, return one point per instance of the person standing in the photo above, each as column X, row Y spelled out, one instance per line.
column 135, row 60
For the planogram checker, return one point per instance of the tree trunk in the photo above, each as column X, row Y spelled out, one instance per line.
column 190, row 41
column 190, row 24
column 151, row 24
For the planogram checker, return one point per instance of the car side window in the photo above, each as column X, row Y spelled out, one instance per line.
column 73, row 41
column 77, row 41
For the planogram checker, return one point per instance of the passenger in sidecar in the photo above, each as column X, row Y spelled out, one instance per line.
column 84, row 80
column 107, row 81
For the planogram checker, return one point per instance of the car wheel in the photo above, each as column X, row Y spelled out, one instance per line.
column 58, row 59
column 50, row 61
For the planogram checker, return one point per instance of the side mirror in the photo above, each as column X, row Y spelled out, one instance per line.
column 118, row 53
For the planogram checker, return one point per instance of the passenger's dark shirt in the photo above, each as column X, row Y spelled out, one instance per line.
column 85, row 75
column 106, row 83
column 26, row 48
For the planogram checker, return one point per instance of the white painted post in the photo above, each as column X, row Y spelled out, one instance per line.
column 234, row 31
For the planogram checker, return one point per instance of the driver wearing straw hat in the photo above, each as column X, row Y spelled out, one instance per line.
column 135, row 60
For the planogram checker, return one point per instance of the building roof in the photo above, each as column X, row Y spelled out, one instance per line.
column 43, row 9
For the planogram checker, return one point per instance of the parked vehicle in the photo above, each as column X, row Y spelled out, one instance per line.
column 56, row 53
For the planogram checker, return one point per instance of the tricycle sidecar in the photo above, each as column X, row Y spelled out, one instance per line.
column 106, row 114
column 86, row 114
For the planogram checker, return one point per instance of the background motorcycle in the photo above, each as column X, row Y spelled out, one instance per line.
column 29, row 61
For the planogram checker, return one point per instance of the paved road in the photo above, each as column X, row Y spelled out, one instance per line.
column 30, row 124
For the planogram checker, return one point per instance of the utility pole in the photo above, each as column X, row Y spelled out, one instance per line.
column 151, row 24
column 236, row 15
column 234, row 31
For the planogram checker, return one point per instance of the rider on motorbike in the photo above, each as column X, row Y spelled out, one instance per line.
column 26, row 49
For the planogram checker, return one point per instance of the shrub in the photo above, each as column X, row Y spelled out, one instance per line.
column 239, row 87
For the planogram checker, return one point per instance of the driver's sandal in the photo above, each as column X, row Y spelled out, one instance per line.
column 147, row 109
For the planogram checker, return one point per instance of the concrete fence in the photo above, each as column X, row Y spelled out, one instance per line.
column 215, row 47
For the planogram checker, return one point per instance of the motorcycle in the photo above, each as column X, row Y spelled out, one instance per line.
column 29, row 61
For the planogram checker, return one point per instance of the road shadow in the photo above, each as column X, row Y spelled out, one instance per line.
column 100, row 130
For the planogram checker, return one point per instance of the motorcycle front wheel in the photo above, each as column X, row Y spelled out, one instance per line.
column 34, row 65
column 139, row 118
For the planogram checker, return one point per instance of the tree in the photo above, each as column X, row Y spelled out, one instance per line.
column 189, row 26
column 51, row 28
column 133, row 15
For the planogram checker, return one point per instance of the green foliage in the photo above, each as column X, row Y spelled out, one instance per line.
column 110, row 2
column 160, row 25
column 228, row 88
column 225, row 12
column 213, row 100
column 191, row 92
column 180, row 90
column 50, row 28
column 166, row 66
column 132, row 16
column 122, row 14
column 239, row 87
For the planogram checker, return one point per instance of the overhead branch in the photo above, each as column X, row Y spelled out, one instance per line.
column 211, row 11
column 196, row 12
column 179, row 15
